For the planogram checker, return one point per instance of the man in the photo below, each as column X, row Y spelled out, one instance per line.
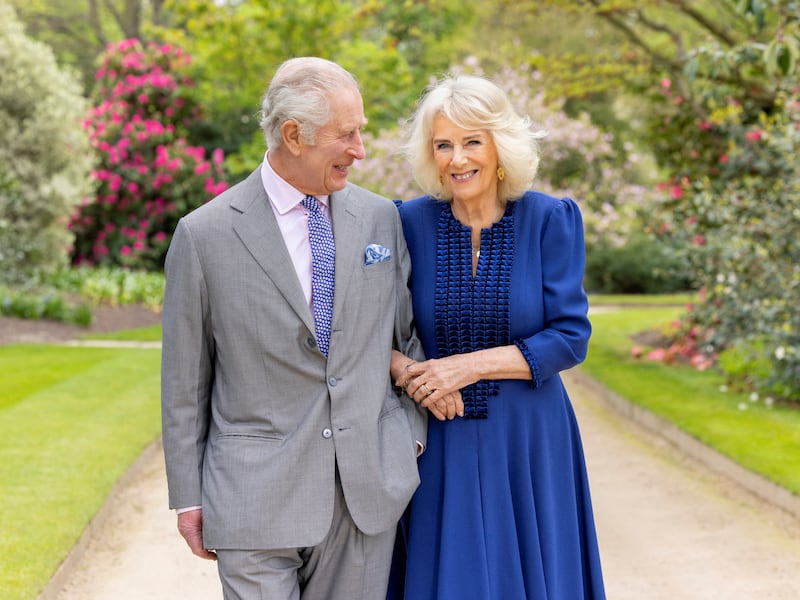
column 289, row 456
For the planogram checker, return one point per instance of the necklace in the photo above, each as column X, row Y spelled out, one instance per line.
column 476, row 252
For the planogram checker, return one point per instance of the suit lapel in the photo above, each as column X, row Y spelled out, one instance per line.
column 346, row 227
column 255, row 225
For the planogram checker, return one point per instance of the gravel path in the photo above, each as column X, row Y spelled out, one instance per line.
column 669, row 528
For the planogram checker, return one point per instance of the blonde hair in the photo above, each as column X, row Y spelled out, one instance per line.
column 474, row 103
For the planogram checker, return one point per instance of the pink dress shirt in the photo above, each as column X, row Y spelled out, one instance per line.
column 292, row 219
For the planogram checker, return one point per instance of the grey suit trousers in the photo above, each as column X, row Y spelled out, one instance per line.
column 346, row 565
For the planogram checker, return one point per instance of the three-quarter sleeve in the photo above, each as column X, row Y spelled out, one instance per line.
column 563, row 341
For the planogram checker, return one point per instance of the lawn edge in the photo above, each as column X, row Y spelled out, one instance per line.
column 67, row 567
column 765, row 489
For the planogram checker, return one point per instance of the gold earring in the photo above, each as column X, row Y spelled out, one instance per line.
column 500, row 173
column 441, row 180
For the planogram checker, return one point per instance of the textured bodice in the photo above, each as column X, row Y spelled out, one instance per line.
column 472, row 311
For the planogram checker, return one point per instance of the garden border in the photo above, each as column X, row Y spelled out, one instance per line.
column 757, row 484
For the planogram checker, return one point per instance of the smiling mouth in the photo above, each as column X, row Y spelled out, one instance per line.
column 464, row 176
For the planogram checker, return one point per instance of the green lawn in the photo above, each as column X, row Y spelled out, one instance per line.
column 72, row 420
column 762, row 438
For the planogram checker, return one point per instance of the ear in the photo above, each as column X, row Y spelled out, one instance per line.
column 290, row 134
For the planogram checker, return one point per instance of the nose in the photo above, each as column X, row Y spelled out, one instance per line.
column 357, row 150
column 459, row 156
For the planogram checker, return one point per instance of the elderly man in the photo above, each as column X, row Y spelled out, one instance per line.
column 290, row 456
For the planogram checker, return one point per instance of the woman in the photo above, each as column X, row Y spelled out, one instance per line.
column 503, row 511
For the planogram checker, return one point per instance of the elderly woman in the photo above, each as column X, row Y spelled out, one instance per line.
column 503, row 511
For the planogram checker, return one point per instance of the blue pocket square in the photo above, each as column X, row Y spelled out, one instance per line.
column 376, row 253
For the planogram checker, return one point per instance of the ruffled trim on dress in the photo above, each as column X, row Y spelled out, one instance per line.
column 473, row 312
column 533, row 364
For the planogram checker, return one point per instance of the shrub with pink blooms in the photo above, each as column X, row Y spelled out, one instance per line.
column 148, row 173
column 732, row 202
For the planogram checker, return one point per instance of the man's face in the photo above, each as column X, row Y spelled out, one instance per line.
column 338, row 145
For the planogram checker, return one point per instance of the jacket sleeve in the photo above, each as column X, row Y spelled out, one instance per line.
column 186, row 369
column 405, row 335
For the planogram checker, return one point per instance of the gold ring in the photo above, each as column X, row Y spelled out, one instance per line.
column 427, row 389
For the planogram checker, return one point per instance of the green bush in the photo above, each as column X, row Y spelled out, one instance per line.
column 70, row 294
column 48, row 305
column 640, row 266
column 44, row 155
column 727, row 132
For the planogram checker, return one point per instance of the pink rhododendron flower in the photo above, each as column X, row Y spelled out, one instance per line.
column 754, row 135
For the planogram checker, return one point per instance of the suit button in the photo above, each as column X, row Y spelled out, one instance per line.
column 312, row 343
column 332, row 381
column 327, row 433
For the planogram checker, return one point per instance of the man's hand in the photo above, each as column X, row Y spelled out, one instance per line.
column 190, row 526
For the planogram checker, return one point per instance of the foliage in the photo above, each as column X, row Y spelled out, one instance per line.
column 712, row 89
column 48, row 305
column 641, row 265
column 729, row 133
column 70, row 294
column 149, row 174
column 112, row 286
column 44, row 155
column 78, row 31
column 391, row 47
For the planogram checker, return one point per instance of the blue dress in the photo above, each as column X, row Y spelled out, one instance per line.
column 503, row 511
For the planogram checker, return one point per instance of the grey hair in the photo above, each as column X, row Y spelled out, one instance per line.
column 301, row 91
column 474, row 103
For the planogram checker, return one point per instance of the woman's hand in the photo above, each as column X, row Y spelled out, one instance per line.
column 444, row 406
column 433, row 383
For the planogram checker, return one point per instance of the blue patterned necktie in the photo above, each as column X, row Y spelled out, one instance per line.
column 323, row 254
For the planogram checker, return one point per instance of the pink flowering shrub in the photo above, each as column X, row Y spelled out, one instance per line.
column 731, row 202
column 148, row 174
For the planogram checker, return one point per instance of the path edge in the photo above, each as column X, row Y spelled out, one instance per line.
column 763, row 488
column 95, row 526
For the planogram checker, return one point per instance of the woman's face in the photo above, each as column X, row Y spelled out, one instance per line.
column 467, row 161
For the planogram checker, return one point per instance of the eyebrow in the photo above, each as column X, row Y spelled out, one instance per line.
column 472, row 136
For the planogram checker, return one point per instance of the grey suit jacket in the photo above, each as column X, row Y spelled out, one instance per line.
column 254, row 416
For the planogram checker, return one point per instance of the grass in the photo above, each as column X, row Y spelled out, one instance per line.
column 641, row 300
column 762, row 438
column 142, row 334
column 72, row 420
